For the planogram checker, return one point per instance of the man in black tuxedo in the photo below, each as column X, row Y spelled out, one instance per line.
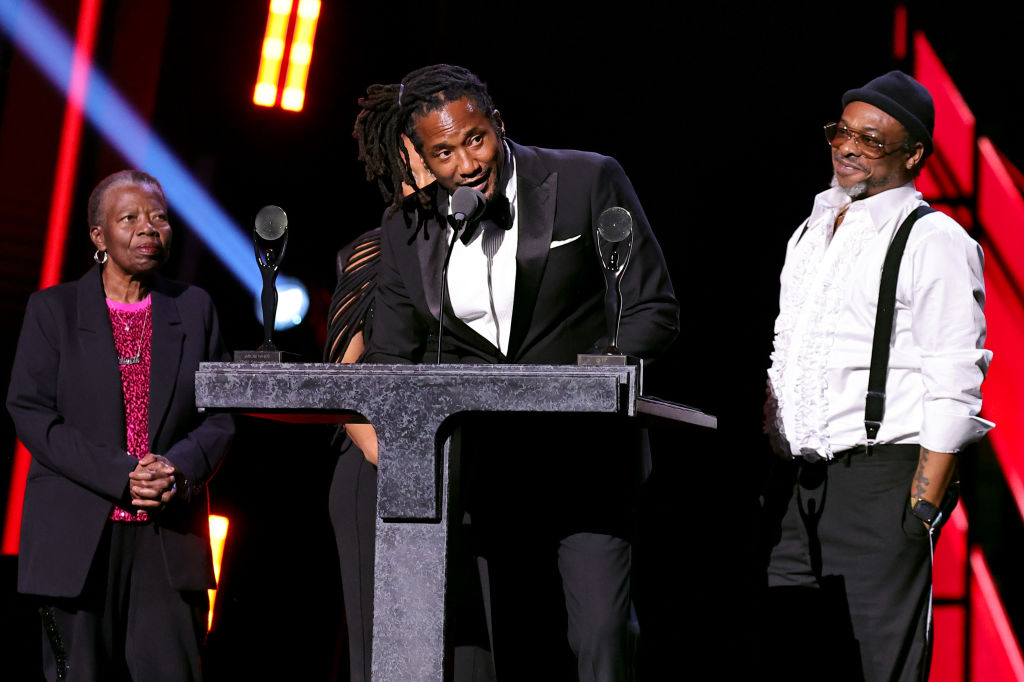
column 524, row 285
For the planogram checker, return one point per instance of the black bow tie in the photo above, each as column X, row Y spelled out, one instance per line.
column 497, row 215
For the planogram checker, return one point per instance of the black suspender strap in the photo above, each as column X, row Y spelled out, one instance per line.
column 803, row 231
column 874, row 407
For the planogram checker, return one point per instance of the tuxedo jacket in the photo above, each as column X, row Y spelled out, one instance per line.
column 558, row 309
column 66, row 402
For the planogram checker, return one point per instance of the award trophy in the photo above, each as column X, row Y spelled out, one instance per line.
column 269, row 238
column 614, row 241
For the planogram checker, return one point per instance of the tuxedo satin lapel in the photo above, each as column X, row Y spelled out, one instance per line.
column 431, row 249
column 96, row 341
column 469, row 335
column 430, row 252
column 536, row 206
column 165, row 358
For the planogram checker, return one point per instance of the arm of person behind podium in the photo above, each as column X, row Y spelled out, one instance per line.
column 399, row 337
column 363, row 436
column 348, row 321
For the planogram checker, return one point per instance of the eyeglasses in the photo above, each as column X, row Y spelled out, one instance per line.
column 869, row 145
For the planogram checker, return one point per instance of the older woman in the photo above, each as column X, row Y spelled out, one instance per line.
column 115, row 540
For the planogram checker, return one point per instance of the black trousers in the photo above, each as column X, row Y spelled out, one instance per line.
column 848, row 569
column 552, row 498
column 544, row 563
column 353, row 510
column 129, row 623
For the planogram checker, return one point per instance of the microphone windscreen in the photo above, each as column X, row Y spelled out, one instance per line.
column 614, row 224
column 467, row 204
column 271, row 223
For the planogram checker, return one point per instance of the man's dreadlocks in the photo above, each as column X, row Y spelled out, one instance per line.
column 388, row 112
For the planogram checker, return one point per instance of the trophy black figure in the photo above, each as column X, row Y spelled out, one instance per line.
column 614, row 242
column 269, row 239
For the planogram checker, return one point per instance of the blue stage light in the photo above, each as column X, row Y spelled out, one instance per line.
column 292, row 303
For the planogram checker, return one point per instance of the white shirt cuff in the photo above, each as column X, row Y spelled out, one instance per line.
column 947, row 432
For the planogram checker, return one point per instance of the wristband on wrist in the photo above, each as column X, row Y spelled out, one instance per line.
column 924, row 510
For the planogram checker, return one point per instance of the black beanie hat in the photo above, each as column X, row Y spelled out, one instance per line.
column 903, row 98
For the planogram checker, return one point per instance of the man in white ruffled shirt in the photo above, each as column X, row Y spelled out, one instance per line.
column 854, row 517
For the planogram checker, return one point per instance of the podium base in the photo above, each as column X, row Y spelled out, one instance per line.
column 278, row 356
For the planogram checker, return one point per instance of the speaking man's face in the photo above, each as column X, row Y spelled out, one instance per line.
column 462, row 146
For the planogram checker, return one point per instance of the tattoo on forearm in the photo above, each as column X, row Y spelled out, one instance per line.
column 921, row 481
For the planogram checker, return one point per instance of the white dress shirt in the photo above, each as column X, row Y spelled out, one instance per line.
column 818, row 378
column 482, row 273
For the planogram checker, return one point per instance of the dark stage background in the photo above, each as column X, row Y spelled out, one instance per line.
column 715, row 112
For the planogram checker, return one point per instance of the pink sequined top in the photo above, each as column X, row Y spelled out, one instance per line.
column 133, row 330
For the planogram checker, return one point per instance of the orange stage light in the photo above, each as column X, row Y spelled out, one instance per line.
column 278, row 18
column 218, row 536
column 300, row 55
column 299, row 51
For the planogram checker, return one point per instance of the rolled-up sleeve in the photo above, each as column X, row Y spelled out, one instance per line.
column 948, row 313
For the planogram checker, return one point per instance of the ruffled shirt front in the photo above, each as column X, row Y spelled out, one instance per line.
column 817, row 381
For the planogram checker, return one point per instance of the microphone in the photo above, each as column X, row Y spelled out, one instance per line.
column 270, row 237
column 467, row 206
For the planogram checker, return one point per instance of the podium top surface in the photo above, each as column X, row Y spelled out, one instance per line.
column 624, row 372
column 330, row 387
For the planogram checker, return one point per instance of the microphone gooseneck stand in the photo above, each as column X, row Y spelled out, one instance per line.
column 467, row 205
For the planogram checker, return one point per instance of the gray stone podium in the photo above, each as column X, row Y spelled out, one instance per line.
column 410, row 406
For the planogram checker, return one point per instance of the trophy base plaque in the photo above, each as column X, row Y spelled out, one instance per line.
column 278, row 356
column 607, row 360
column 613, row 360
